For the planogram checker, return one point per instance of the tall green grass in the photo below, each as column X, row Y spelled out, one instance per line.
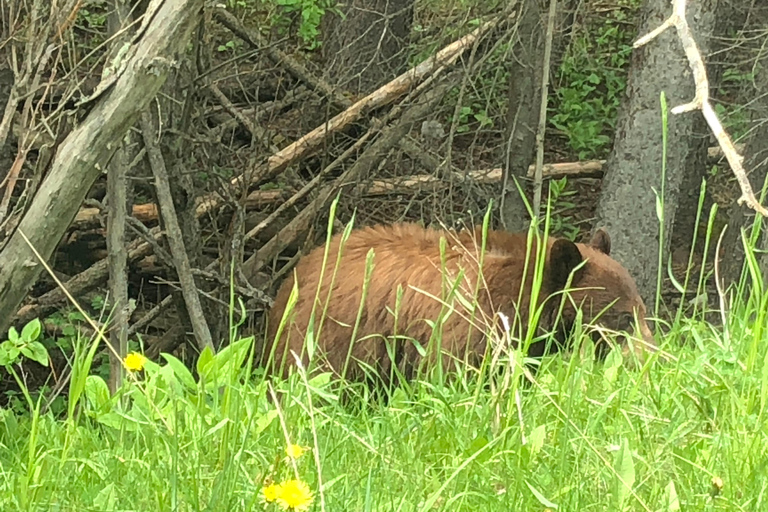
column 688, row 433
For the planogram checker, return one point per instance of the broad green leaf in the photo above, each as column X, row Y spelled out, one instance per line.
column 204, row 361
column 625, row 469
column 31, row 331
column 536, row 439
column 105, row 499
column 97, row 392
column 180, row 370
column 38, row 353
column 672, row 502
column 265, row 421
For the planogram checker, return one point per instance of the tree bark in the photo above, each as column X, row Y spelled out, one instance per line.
column 627, row 205
column 755, row 153
column 367, row 49
column 523, row 102
column 85, row 153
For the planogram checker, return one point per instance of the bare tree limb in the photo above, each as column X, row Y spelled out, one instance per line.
column 174, row 236
column 541, row 130
column 701, row 100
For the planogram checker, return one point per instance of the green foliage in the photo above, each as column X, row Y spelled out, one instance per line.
column 310, row 14
column 583, row 435
column 476, row 115
column 562, row 223
column 591, row 80
column 23, row 344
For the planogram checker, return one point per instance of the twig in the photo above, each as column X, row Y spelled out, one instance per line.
column 174, row 236
column 537, row 175
column 701, row 100
column 261, row 226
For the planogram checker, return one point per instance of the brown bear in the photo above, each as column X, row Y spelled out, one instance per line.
column 408, row 257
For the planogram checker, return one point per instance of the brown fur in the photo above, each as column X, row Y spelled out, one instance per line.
column 408, row 255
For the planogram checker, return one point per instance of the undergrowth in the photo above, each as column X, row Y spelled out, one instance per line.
column 685, row 433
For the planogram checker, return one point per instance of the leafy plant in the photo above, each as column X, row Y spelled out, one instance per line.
column 562, row 224
column 23, row 344
column 591, row 80
column 310, row 13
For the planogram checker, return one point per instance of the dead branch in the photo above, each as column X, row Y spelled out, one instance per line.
column 701, row 100
column 147, row 213
column 379, row 98
column 174, row 236
column 280, row 58
column 537, row 174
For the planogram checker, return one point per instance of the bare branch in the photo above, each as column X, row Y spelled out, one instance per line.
column 175, row 238
column 701, row 100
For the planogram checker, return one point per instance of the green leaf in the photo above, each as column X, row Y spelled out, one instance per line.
column 536, row 439
column 625, row 469
column 671, row 501
column 8, row 353
column 180, row 370
column 13, row 335
column 265, row 421
column 204, row 361
column 97, row 392
column 31, row 331
column 38, row 353
column 105, row 499
column 543, row 500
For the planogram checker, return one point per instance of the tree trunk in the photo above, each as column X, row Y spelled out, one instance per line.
column 627, row 205
column 755, row 156
column 369, row 47
column 85, row 153
column 524, row 100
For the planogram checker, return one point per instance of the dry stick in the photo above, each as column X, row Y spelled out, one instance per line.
column 379, row 98
column 280, row 58
column 306, row 189
column 174, row 236
column 537, row 175
column 404, row 184
column 302, row 74
column 257, row 134
column 701, row 100
column 117, row 194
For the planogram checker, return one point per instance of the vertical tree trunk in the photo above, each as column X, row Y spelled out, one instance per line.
column 369, row 47
column 627, row 205
column 524, row 100
column 755, row 156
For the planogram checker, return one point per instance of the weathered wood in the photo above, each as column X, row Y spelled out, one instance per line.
column 173, row 235
column 85, row 153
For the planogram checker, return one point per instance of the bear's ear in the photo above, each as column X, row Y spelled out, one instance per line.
column 564, row 256
column 601, row 241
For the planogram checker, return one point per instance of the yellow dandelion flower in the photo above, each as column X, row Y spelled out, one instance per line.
column 134, row 362
column 270, row 492
column 294, row 451
column 294, row 495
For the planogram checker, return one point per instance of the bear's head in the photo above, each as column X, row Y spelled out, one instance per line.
column 604, row 291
